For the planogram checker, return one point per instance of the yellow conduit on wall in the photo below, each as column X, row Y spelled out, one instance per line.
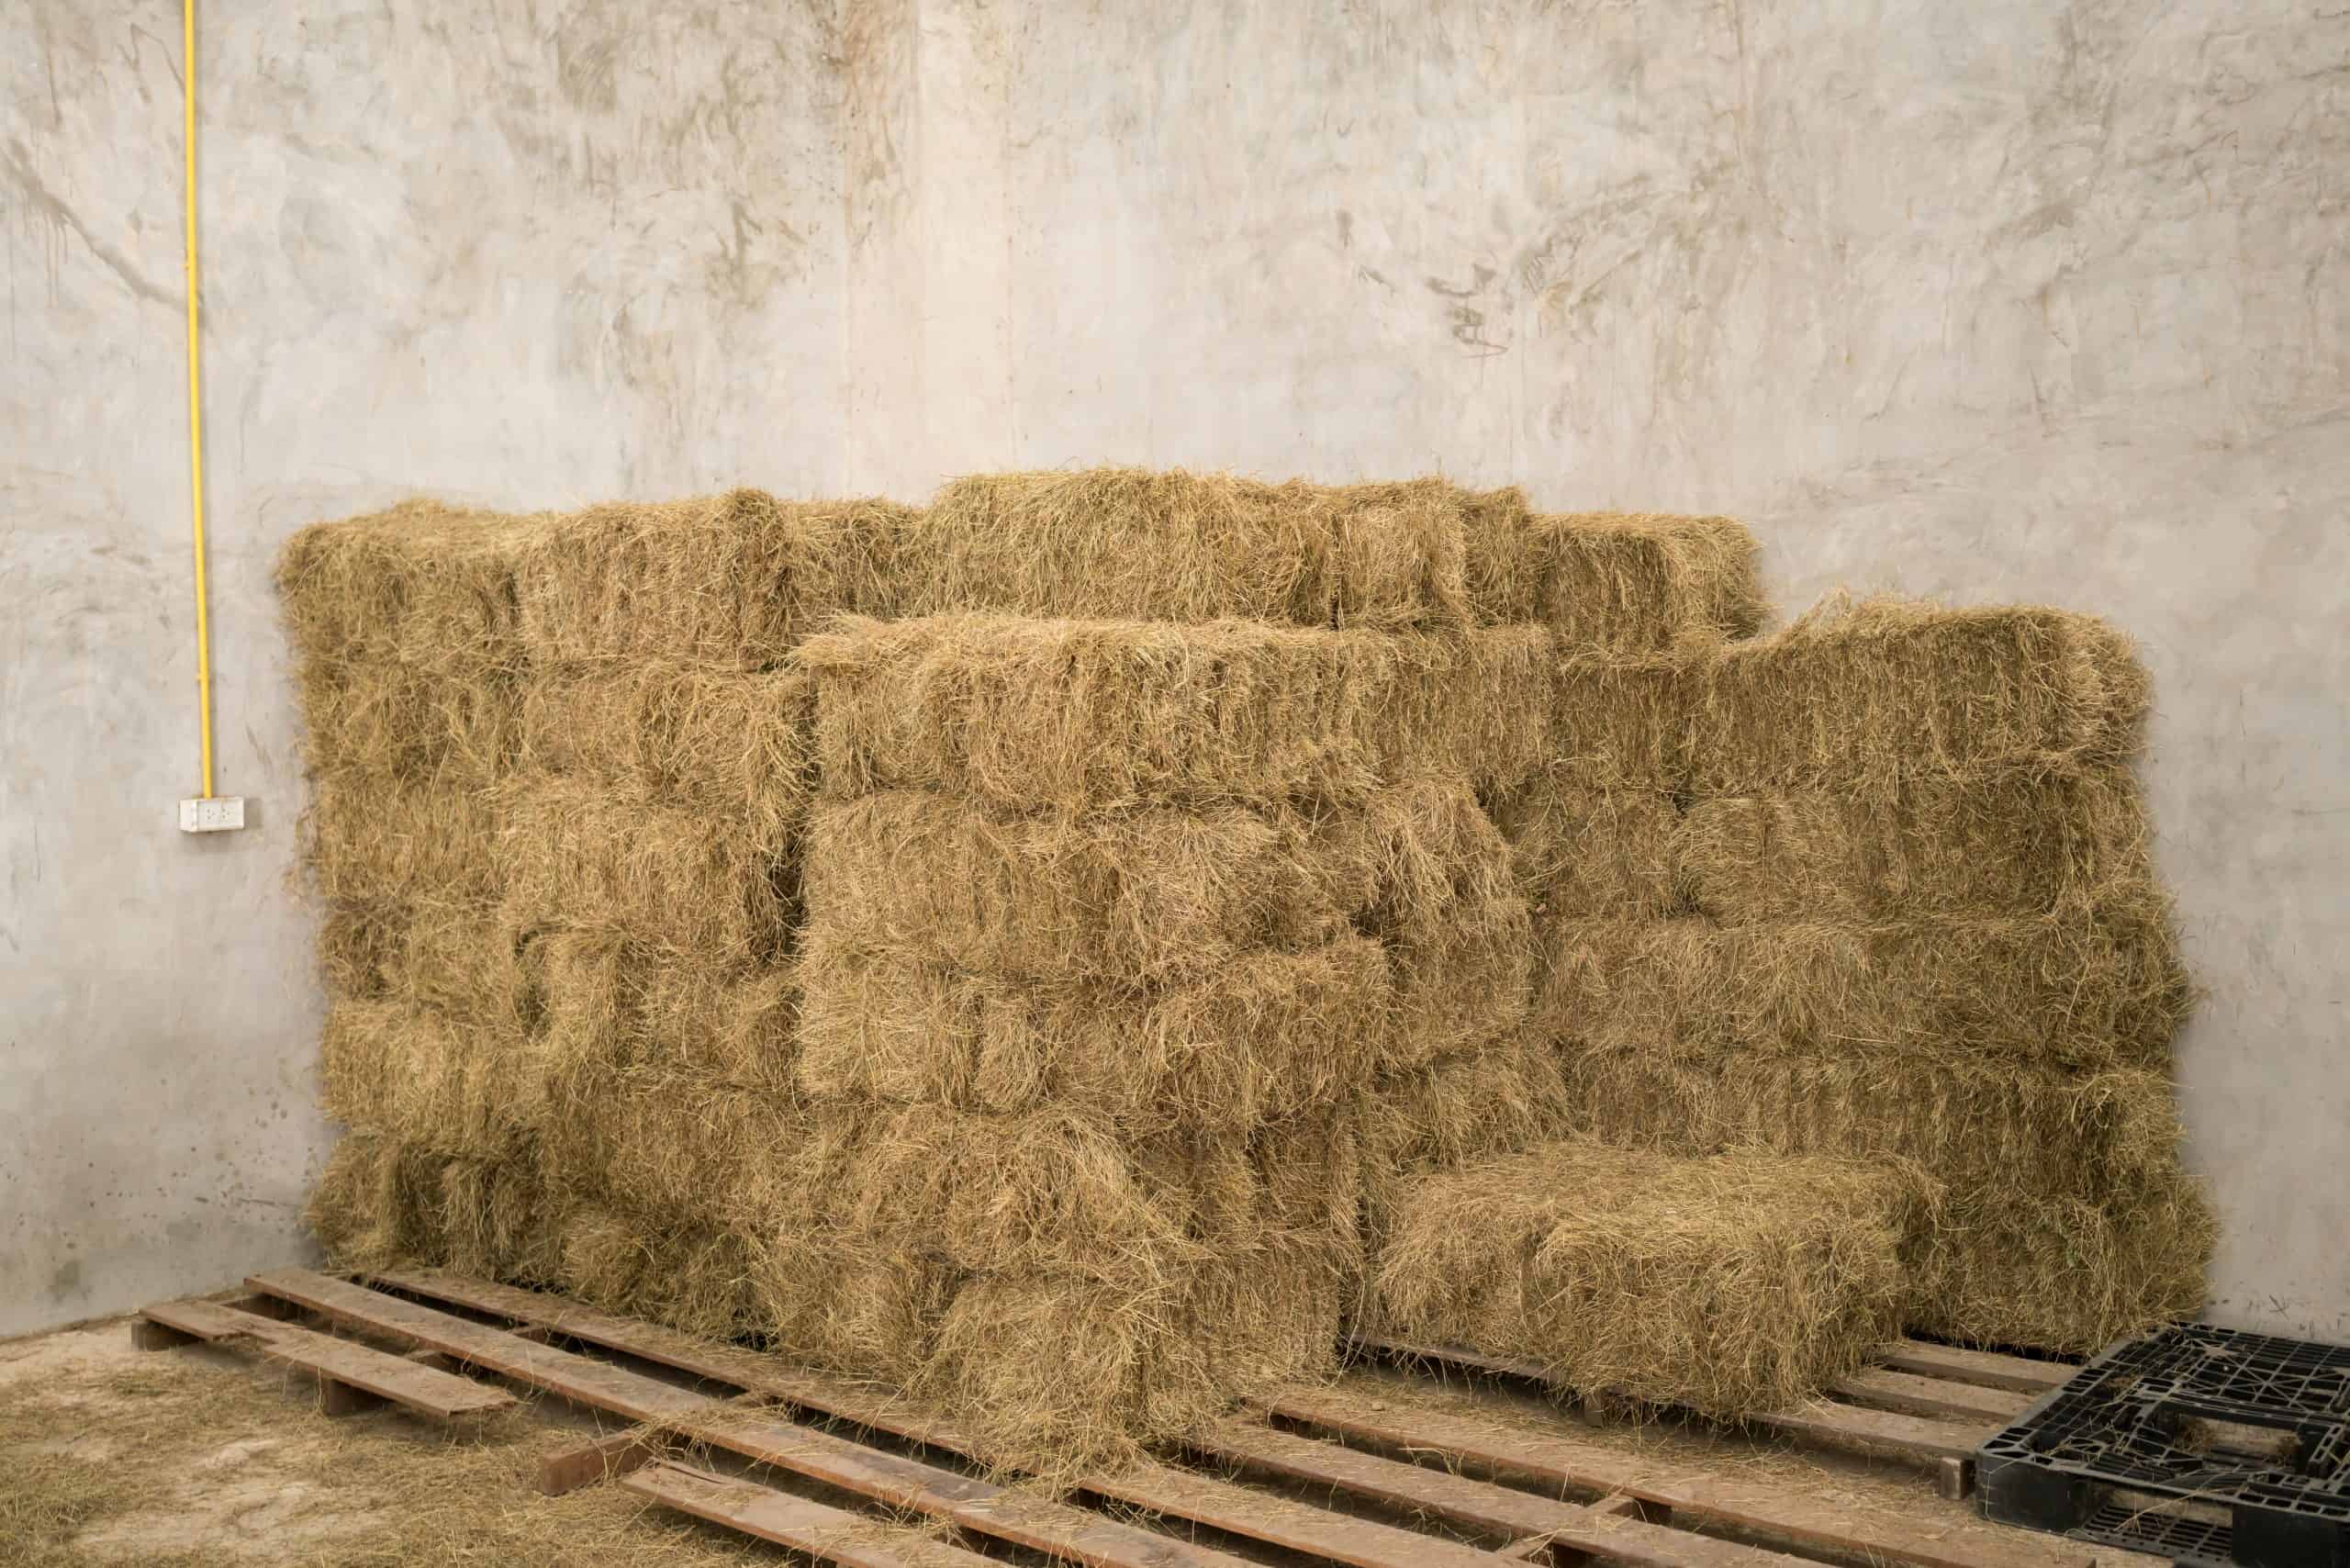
column 194, row 404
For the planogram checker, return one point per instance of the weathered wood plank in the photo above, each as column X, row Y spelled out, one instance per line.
column 1911, row 1394
column 338, row 1363
column 1986, row 1369
column 602, row 1459
column 1221, row 1505
column 1056, row 1529
column 1917, row 1439
column 864, row 1405
column 1571, row 1463
column 1614, row 1531
column 825, row 1534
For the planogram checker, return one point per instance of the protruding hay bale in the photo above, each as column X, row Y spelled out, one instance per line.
column 1631, row 582
column 709, row 580
column 658, row 1139
column 714, row 741
column 1142, row 896
column 1265, row 1037
column 2028, row 1129
column 439, row 1084
column 1089, row 714
column 1131, row 544
column 1583, row 854
column 2075, row 842
column 611, row 1001
column 1729, row 1285
column 421, row 583
column 2051, row 990
column 1869, row 697
column 498, row 1223
column 573, row 852
column 692, row 1278
column 369, row 837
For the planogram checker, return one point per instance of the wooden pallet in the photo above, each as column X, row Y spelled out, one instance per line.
column 1324, row 1473
column 1927, row 1406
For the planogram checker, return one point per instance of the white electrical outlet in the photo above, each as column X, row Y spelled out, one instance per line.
column 221, row 813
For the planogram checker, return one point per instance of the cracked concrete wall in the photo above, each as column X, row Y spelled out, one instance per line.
column 519, row 255
column 2040, row 301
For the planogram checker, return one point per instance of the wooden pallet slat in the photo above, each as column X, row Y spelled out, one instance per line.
column 1920, row 1440
column 352, row 1377
column 1985, row 1369
column 1614, row 1529
column 1236, row 1510
column 1041, row 1525
column 1567, row 1461
column 826, row 1533
column 1911, row 1394
column 860, row 1403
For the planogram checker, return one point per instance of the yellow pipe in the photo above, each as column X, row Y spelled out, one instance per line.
column 194, row 403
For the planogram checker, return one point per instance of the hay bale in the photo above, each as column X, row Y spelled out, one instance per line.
column 1633, row 582
column 572, row 851
column 1456, row 1112
column 824, row 1299
column 1142, row 896
column 689, row 1277
column 1728, row 1285
column 2051, row 990
column 423, row 583
column 1868, row 698
column 2076, row 843
column 1621, row 721
column 369, row 836
column 1126, row 544
column 657, row 1139
column 446, row 1085
column 393, row 721
column 1583, row 854
column 611, row 1001
column 1263, row 1037
column 2029, row 1130
column 2066, row 1274
column 460, row 960
column 715, row 580
column 1106, row 714
column 385, row 1201
column 710, row 741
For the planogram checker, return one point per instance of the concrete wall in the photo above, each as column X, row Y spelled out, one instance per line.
column 2013, row 301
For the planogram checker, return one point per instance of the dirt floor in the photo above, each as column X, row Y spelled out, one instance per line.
column 204, row 1456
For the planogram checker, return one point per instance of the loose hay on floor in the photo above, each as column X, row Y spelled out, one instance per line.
column 1729, row 1285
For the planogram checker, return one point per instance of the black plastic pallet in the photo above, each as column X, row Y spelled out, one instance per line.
column 2146, row 1448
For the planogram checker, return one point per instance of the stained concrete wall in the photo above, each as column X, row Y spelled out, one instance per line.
column 2018, row 301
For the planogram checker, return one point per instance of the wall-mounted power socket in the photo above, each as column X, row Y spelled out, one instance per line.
column 219, row 813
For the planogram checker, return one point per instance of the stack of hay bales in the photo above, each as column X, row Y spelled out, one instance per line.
column 412, row 675
column 1911, row 914
column 1118, row 904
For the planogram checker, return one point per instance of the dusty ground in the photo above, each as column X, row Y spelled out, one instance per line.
column 196, row 1456
column 110, row 1455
